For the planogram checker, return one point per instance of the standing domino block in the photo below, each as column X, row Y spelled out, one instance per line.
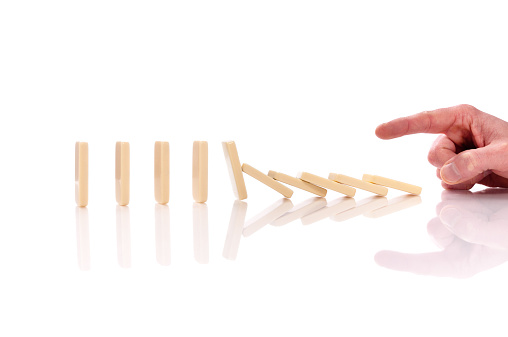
column 392, row 184
column 268, row 181
column 353, row 182
column 200, row 171
column 161, row 172
column 235, row 169
column 122, row 173
column 81, row 170
column 326, row 183
column 297, row 183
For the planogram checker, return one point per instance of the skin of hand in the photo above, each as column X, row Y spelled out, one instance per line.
column 472, row 147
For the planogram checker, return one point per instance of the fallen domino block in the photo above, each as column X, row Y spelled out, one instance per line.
column 122, row 173
column 268, row 215
column 326, row 183
column 353, row 182
column 297, row 183
column 161, row 172
column 363, row 206
column 268, row 181
column 235, row 169
column 392, row 184
column 81, row 171
column 200, row 171
column 306, row 207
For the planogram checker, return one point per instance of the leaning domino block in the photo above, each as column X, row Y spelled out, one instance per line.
column 122, row 173
column 353, row 182
column 81, row 170
column 200, row 171
column 161, row 172
column 297, row 183
column 235, row 169
column 326, row 183
column 392, row 184
column 268, row 181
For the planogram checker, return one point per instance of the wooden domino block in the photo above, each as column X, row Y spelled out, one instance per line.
column 353, row 182
column 235, row 169
column 297, row 183
column 326, row 183
column 161, row 172
column 122, row 173
column 81, row 173
column 200, row 171
column 268, row 181
column 398, row 185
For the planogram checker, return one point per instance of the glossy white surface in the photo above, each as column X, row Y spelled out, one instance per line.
column 299, row 86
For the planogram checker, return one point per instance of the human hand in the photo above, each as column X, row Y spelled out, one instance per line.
column 471, row 229
column 472, row 147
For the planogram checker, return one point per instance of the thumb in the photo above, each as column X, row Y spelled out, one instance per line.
column 469, row 164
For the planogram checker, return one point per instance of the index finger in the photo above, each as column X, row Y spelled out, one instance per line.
column 436, row 121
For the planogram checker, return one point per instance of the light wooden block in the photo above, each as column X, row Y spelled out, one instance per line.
column 235, row 170
column 268, row 181
column 161, row 172
column 363, row 206
column 395, row 205
column 398, row 185
column 353, row 182
column 200, row 171
column 268, row 215
column 302, row 209
column 122, row 173
column 333, row 207
column 326, row 183
column 81, row 173
column 298, row 183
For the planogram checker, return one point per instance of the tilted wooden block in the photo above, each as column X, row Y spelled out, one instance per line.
column 268, row 181
column 235, row 170
column 326, row 183
column 81, row 173
column 200, row 171
column 398, row 185
column 161, row 172
column 286, row 179
column 343, row 179
column 122, row 173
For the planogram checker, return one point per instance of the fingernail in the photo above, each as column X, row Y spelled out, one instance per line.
column 450, row 173
column 449, row 216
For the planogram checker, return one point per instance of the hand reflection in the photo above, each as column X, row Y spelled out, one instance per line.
column 472, row 230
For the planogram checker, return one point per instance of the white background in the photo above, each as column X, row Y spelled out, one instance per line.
column 299, row 85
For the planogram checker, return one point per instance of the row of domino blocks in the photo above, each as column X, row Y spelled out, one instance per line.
column 307, row 181
column 161, row 172
column 304, row 180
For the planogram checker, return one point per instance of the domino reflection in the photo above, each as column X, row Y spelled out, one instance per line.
column 364, row 206
column 302, row 209
column 123, row 236
column 268, row 215
column 162, row 235
column 82, row 238
column 470, row 228
column 200, row 224
column 234, row 234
